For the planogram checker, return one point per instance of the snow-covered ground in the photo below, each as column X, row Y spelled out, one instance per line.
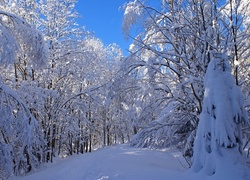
column 119, row 162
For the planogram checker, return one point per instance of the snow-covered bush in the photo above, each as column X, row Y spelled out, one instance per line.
column 20, row 138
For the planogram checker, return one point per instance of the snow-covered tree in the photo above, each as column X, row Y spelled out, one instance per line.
column 20, row 139
column 218, row 143
column 21, row 135
column 27, row 10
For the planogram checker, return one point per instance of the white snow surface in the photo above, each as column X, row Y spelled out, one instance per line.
column 121, row 162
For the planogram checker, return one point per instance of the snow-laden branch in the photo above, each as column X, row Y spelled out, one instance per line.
column 19, row 38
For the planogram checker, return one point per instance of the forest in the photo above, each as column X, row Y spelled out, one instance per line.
column 63, row 92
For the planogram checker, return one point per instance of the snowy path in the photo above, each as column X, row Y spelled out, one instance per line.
column 122, row 162
column 118, row 162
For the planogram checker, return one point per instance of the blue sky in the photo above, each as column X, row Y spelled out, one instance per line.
column 104, row 18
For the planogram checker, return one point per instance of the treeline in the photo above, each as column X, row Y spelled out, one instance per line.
column 59, row 89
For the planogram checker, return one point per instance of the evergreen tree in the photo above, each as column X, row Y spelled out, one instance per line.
column 218, row 142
